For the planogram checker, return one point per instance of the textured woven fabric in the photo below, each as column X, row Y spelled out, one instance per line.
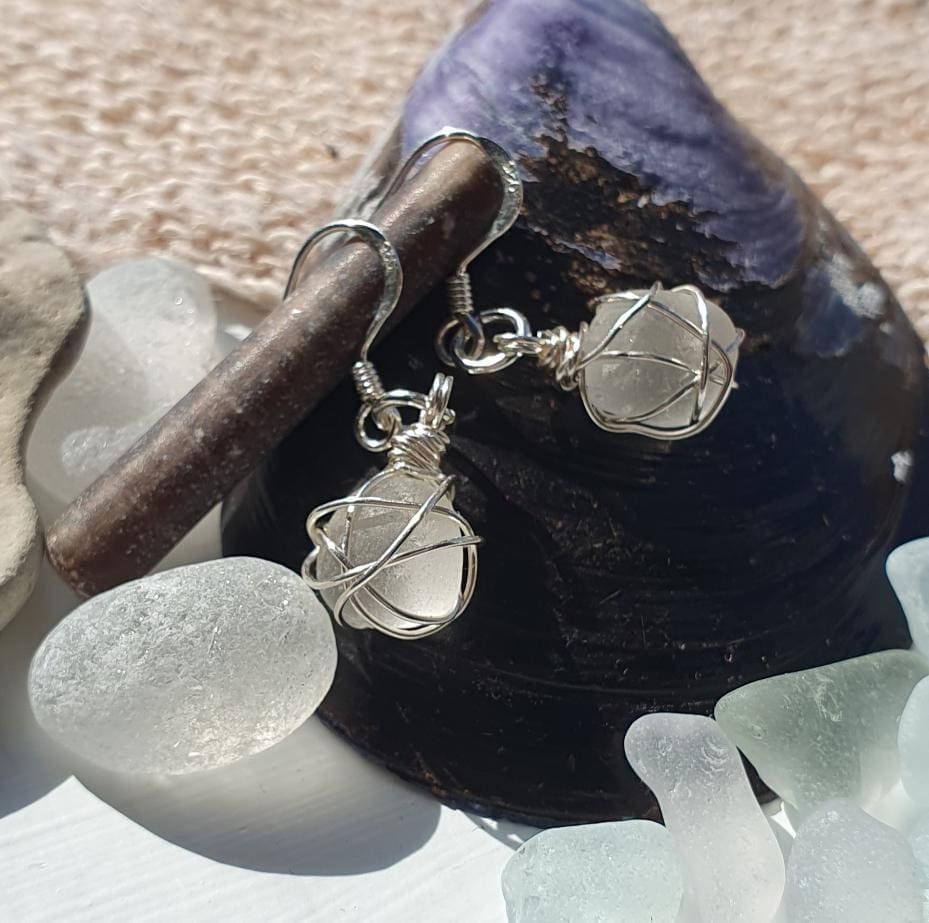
column 220, row 132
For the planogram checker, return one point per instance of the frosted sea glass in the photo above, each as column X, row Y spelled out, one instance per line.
column 846, row 867
column 624, row 872
column 151, row 339
column 829, row 732
column 619, row 390
column 908, row 570
column 188, row 669
column 732, row 865
column 913, row 744
column 918, row 839
column 428, row 584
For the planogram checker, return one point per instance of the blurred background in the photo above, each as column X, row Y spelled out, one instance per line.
column 220, row 132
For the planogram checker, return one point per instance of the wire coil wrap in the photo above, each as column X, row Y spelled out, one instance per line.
column 415, row 452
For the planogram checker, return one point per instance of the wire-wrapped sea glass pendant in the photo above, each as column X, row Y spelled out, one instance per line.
column 660, row 362
column 395, row 555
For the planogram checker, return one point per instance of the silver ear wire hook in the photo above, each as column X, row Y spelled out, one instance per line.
column 506, row 170
column 397, row 519
column 470, row 341
column 367, row 381
column 390, row 262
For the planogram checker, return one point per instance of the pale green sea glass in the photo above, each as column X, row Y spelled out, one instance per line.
column 829, row 732
column 624, row 872
column 913, row 744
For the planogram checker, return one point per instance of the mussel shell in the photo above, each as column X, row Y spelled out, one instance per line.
column 621, row 575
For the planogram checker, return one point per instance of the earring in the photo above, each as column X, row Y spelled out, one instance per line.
column 659, row 362
column 394, row 555
column 469, row 326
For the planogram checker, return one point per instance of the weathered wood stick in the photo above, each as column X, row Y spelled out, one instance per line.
column 138, row 509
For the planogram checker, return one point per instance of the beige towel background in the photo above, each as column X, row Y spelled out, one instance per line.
column 219, row 132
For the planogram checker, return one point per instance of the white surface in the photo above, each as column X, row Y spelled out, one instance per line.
column 305, row 831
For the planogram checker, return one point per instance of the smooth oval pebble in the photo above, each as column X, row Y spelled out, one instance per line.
column 189, row 669
column 41, row 311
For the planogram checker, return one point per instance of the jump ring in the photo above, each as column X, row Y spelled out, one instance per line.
column 488, row 361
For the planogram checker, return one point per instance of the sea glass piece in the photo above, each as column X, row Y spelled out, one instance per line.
column 188, row 669
column 825, row 733
column 908, row 570
column 426, row 586
column 847, row 867
column 918, row 838
column 732, row 865
column 623, row 872
column 660, row 364
column 151, row 339
column 913, row 744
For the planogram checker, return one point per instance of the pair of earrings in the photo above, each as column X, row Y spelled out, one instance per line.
column 395, row 555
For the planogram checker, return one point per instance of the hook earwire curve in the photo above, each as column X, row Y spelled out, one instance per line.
column 390, row 262
column 506, row 170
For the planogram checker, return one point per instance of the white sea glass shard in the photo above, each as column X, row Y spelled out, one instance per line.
column 427, row 586
column 913, row 744
column 660, row 363
column 732, row 865
column 623, row 872
column 846, row 867
column 908, row 570
column 151, row 339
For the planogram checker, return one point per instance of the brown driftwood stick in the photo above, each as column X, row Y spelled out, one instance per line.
column 131, row 516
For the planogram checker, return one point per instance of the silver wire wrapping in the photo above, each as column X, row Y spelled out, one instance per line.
column 703, row 371
column 415, row 452
column 697, row 355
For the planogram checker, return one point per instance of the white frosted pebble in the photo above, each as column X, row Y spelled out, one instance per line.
column 733, row 867
column 829, row 732
column 188, row 669
column 846, row 867
column 151, row 339
column 913, row 744
column 908, row 570
column 624, row 872
column 427, row 585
